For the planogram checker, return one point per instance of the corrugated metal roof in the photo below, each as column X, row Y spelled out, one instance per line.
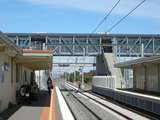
column 82, row 34
column 131, row 63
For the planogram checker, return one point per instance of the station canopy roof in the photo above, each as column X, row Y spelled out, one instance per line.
column 7, row 45
column 33, row 59
column 36, row 59
column 144, row 60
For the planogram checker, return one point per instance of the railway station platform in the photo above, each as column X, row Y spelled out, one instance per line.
column 41, row 108
column 44, row 107
column 70, row 105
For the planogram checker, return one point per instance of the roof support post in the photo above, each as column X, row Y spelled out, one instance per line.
column 134, row 78
column 60, row 48
column 46, row 42
column 87, row 45
column 100, row 42
column 153, row 46
column 30, row 42
column 159, row 77
column 146, row 78
column 17, row 41
column 142, row 50
column 73, row 45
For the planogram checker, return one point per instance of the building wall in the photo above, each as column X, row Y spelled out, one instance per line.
column 9, row 84
column 127, row 81
column 24, row 75
column 139, row 77
column 152, row 77
column 13, row 81
column 6, row 85
column 146, row 77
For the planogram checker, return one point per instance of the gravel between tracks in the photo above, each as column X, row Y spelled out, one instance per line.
column 81, row 113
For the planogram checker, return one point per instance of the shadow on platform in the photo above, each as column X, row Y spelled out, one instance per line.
column 40, row 100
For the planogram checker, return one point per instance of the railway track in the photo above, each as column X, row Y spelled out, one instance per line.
column 98, row 117
column 112, row 109
column 79, row 110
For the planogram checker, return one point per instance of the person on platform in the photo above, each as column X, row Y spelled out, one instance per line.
column 49, row 85
column 79, row 86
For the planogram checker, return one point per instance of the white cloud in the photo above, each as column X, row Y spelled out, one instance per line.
column 148, row 9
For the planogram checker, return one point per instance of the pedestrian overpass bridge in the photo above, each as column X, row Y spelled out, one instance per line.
column 76, row 44
column 104, row 48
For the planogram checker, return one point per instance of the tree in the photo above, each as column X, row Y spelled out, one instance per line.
column 87, row 76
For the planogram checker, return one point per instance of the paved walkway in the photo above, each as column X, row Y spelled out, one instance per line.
column 49, row 113
column 41, row 109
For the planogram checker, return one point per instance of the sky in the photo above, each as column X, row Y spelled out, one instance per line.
column 78, row 16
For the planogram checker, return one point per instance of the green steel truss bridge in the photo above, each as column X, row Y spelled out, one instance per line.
column 89, row 44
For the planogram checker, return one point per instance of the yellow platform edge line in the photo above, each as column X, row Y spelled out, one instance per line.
column 51, row 106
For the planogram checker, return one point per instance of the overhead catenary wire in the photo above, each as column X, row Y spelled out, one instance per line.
column 106, row 16
column 118, row 22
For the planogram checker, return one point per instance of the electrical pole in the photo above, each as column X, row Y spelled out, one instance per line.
column 82, row 81
column 76, row 60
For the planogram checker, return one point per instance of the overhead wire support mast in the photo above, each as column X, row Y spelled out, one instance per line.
column 101, row 22
column 109, row 30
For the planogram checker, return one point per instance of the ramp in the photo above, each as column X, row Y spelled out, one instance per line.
column 105, row 67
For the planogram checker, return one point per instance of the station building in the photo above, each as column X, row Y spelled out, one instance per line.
column 146, row 73
column 17, row 66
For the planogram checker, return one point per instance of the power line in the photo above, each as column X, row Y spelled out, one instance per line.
column 118, row 22
column 101, row 22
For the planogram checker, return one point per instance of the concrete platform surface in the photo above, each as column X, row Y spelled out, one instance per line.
column 37, row 110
